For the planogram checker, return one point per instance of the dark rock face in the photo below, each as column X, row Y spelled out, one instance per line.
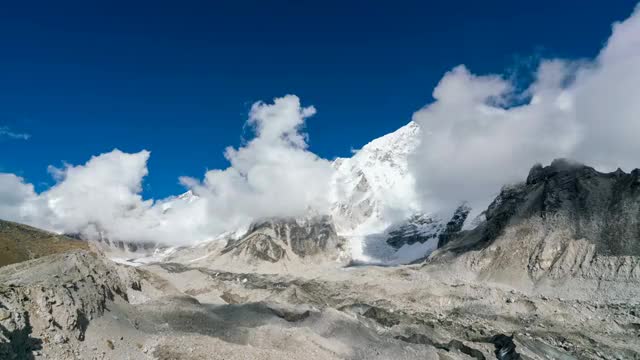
column 454, row 225
column 505, row 347
column 603, row 208
column 453, row 345
column 566, row 221
column 269, row 239
column 417, row 229
column 421, row 228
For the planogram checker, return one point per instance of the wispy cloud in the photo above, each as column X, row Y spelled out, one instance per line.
column 6, row 132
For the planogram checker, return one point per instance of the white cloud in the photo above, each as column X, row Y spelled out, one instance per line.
column 606, row 101
column 272, row 175
column 101, row 195
column 473, row 141
column 18, row 200
column 471, row 145
column 5, row 131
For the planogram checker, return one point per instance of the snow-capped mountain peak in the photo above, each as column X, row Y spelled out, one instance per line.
column 374, row 188
column 374, row 203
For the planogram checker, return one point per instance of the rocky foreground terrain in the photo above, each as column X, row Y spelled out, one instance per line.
column 552, row 273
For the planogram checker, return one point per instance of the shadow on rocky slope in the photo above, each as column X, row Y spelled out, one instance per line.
column 19, row 344
column 567, row 219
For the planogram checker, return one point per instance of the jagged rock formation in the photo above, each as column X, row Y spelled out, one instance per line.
column 454, row 225
column 50, row 301
column 21, row 242
column 567, row 219
column 278, row 239
column 421, row 228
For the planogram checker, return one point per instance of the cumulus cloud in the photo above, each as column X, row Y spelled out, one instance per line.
column 272, row 175
column 474, row 139
column 471, row 144
column 101, row 195
column 6, row 132
column 606, row 102
column 18, row 199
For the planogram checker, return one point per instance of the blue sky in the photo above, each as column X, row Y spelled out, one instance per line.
column 82, row 78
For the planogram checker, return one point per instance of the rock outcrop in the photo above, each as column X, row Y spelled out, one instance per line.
column 454, row 225
column 421, row 228
column 278, row 239
column 567, row 219
column 50, row 301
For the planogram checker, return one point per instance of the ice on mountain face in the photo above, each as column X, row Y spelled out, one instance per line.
column 374, row 188
column 375, row 204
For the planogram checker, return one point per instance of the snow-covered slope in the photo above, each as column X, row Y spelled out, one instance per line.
column 374, row 188
column 375, row 204
column 187, row 197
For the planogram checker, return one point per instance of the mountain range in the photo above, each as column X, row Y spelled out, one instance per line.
column 374, row 205
column 550, row 271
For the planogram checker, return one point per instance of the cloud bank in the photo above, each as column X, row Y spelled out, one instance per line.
column 478, row 134
column 272, row 175
column 474, row 140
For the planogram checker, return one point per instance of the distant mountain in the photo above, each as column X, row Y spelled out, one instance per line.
column 21, row 243
column 421, row 228
column 375, row 203
column 278, row 239
column 281, row 244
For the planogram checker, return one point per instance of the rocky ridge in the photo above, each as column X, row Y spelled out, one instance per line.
column 421, row 228
column 551, row 273
column 567, row 220
column 20, row 242
column 279, row 239
column 50, row 301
